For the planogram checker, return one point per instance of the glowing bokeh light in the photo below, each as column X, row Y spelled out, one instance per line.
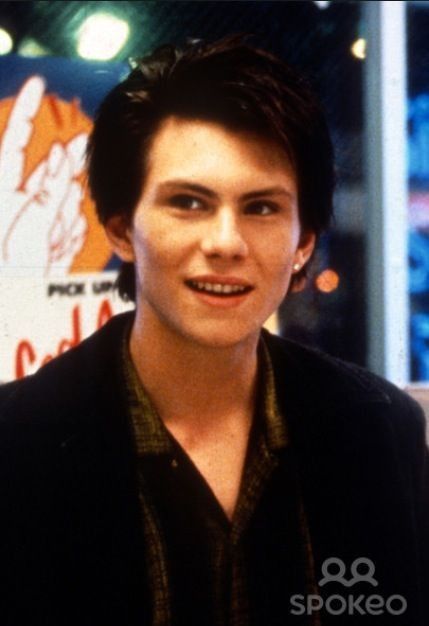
column 327, row 281
column 6, row 41
column 358, row 48
column 322, row 4
column 101, row 36
column 31, row 48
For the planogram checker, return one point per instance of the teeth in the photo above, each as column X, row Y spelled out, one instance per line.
column 218, row 287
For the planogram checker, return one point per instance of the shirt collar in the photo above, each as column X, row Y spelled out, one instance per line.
column 151, row 436
column 275, row 424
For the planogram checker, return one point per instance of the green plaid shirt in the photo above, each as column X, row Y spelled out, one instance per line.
column 228, row 569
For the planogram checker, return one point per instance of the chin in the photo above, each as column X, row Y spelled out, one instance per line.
column 226, row 337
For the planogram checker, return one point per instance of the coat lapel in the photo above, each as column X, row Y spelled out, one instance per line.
column 355, row 479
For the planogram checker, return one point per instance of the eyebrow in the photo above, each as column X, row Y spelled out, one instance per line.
column 269, row 191
column 201, row 189
column 183, row 184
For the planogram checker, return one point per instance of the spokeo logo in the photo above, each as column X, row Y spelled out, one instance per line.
column 47, row 219
column 362, row 571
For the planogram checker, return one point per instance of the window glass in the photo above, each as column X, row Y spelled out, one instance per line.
column 418, row 177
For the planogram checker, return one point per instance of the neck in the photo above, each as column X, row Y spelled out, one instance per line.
column 190, row 383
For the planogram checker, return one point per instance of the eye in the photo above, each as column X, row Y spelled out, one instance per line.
column 261, row 207
column 185, row 201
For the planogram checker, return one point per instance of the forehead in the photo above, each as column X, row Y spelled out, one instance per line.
column 199, row 149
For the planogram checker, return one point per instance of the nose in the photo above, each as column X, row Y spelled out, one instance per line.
column 223, row 237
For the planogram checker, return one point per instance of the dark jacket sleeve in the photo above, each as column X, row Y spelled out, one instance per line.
column 412, row 442
column 30, row 523
column 422, row 500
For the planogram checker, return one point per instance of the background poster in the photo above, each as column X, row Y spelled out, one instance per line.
column 56, row 269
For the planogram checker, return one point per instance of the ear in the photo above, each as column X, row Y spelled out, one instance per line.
column 304, row 250
column 118, row 231
column 303, row 253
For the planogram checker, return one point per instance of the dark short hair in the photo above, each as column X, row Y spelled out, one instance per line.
column 230, row 82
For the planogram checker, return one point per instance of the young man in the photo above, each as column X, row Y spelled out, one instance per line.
column 181, row 466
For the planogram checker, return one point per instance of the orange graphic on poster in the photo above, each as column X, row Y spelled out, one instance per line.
column 47, row 219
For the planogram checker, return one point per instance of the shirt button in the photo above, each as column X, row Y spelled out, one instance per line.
column 174, row 464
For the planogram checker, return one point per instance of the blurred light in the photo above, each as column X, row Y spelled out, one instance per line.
column 31, row 48
column 358, row 48
column 322, row 4
column 6, row 41
column 327, row 281
column 101, row 36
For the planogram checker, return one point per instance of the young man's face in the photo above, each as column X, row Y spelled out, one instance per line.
column 215, row 233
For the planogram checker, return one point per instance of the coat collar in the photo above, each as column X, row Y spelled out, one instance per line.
column 317, row 381
column 83, row 387
column 312, row 379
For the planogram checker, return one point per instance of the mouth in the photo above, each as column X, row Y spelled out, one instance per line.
column 223, row 290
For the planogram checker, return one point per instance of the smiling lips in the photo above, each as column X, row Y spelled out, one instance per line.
column 225, row 287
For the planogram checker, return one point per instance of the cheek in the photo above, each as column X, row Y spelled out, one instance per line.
column 159, row 255
column 147, row 262
column 150, row 243
column 279, row 256
column 278, row 263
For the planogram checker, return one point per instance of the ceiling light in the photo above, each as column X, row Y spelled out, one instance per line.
column 322, row 4
column 101, row 36
column 6, row 42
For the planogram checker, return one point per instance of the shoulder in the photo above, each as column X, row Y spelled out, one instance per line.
column 68, row 380
column 330, row 382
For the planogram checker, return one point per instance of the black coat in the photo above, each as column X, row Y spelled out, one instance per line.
column 71, row 547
